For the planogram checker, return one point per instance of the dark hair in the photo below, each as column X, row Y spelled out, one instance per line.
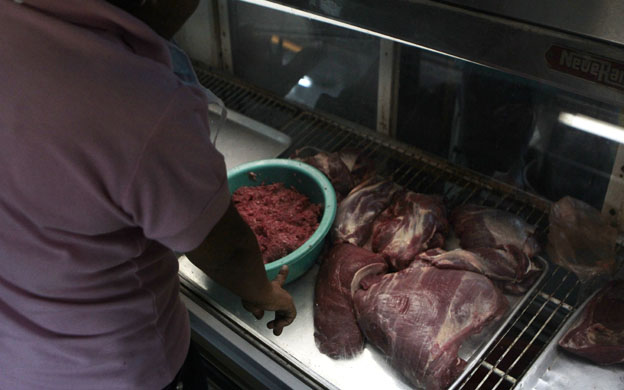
column 128, row 5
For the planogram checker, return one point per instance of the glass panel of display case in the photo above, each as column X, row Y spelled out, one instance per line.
column 508, row 127
column 315, row 64
column 501, row 124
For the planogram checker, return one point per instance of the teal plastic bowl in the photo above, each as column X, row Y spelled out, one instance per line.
column 307, row 180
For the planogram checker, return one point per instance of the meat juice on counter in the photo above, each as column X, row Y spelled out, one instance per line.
column 281, row 218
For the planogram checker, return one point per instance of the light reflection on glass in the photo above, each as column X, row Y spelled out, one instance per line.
column 305, row 82
column 593, row 126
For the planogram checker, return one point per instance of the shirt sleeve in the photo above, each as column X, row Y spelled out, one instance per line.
column 179, row 188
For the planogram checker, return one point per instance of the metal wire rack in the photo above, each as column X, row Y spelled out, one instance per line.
column 526, row 335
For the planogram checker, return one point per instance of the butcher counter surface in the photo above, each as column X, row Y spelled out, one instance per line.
column 369, row 370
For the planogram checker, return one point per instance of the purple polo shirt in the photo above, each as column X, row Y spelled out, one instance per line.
column 105, row 168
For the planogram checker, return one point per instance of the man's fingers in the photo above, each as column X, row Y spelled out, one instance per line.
column 280, row 322
column 258, row 313
column 276, row 326
column 280, row 302
column 282, row 275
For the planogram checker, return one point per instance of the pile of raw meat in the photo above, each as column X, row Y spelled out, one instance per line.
column 281, row 218
column 388, row 280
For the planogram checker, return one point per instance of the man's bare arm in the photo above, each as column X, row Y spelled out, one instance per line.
column 231, row 257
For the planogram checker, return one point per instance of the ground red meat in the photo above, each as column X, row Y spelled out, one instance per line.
column 281, row 218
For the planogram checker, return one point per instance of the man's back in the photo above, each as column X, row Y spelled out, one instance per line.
column 91, row 135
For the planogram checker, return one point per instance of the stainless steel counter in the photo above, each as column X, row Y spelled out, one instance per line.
column 296, row 345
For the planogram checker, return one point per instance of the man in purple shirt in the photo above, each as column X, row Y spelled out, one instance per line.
column 106, row 168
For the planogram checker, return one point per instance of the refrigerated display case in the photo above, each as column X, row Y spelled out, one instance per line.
column 510, row 104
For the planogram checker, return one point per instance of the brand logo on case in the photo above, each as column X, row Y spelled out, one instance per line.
column 585, row 65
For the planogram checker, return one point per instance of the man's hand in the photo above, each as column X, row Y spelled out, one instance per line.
column 277, row 300
column 230, row 256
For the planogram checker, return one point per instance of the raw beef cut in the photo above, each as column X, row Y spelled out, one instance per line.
column 411, row 224
column 484, row 227
column 356, row 212
column 360, row 166
column 336, row 332
column 333, row 167
column 508, row 265
column 344, row 169
column 581, row 240
column 598, row 332
column 420, row 316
